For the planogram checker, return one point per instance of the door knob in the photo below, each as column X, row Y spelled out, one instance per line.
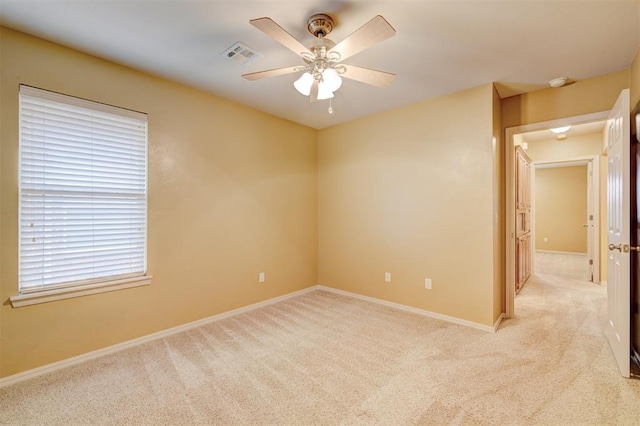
column 624, row 248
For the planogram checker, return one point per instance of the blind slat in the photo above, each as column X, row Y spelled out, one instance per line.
column 83, row 191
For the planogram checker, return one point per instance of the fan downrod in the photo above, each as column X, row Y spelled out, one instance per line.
column 320, row 25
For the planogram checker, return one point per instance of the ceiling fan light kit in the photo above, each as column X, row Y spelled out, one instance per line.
column 329, row 82
column 323, row 69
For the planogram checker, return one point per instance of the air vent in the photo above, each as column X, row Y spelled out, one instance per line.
column 241, row 54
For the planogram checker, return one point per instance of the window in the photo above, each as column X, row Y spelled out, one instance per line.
column 83, row 196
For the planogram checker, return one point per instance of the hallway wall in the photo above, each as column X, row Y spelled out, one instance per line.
column 561, row 209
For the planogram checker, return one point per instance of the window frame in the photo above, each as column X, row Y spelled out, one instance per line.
column 50, row 292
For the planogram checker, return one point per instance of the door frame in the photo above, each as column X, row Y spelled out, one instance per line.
column 510, row 197
column 593, row 198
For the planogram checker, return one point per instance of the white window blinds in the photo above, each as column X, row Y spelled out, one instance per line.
column 83, row 191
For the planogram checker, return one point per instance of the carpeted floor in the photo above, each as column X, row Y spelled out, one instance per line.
column 326, row 359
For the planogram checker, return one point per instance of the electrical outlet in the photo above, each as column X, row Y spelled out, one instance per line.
column 387, row 277
column 427, row 283
column 261, row 277
column 545, row 239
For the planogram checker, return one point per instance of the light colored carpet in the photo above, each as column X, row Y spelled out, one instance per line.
column 326, row 359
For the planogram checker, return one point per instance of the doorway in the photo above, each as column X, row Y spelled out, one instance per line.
column 565, row 218
column 564, row 152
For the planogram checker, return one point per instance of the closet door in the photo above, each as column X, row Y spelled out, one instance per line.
column 523, row 218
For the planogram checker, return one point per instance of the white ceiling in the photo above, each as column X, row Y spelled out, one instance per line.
column 440, row 46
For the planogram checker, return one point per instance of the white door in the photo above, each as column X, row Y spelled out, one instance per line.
column 618, row 224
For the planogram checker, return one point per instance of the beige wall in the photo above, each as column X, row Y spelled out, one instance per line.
column 572, row 147
column 410, row 192
column 582, row 97
column 232, row 192
column 561, row 209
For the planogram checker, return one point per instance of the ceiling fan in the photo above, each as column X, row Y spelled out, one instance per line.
column 323, row 65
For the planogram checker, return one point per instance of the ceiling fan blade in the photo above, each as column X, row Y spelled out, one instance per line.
column 365, row 75
column 270, row 73
column 313, row 96
column 279, row 34
column 371, row 33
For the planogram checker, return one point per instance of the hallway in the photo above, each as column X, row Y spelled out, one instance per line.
column 572, row 267
column 560, row 295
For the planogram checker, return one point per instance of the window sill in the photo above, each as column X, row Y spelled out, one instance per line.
column 45, row 296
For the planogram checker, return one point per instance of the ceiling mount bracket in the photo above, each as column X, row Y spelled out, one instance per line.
column 320, row 25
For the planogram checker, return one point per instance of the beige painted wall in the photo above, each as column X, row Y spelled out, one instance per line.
column 232, row 192
column 410, row 192
column 582, row 97
column 572, row 147
column 561, row 209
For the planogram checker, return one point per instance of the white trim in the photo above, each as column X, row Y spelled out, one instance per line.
column 562, row 252
column 553, row 164
column 10, row 380
column 33, row 298
column 411, row 309
column 498, row 322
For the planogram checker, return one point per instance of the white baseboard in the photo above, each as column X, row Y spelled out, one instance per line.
column 562, row 252
column 498, row 322
column 418, row 311
column 19, row 377
column 10, row 380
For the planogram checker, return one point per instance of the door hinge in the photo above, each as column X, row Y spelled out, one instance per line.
column 590, row 261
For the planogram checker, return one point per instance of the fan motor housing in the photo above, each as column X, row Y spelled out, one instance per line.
column 320, row 25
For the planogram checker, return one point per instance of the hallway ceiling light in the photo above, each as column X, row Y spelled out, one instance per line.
column 559, row 130
column 558, row 82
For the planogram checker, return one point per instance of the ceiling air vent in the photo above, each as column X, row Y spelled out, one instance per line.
column 241, row 54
